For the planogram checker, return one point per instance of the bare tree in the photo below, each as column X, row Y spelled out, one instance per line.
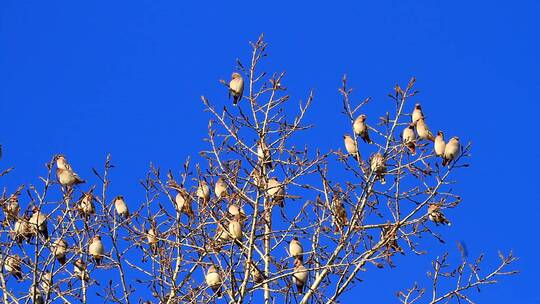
column 258, row 219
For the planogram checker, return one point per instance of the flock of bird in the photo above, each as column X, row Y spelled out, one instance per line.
column 35, row 226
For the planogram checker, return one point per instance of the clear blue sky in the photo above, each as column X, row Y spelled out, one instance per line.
column 124, row 77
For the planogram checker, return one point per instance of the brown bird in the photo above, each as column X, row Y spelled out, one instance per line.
column 65, row 174
column 300, row 275
column 35, row 295
column 38, row 223
column 258, row 178
column 79, row 270
column 60, row 247
column 256, row 275
column 350, row 145
column 276, row 192
column 451, row 150
column 203, row 191
column 235, row 228
column 12, row 208
column 439, row 144
column 392, row 244
column 183, row 202
column 86, row 204
column 423, row 130
column 213, row 280
column 263, row 154
column 236, row 87
column 12, row 265
column 46, row 282
column 417, row 113
column 378, row 167
column 360, row 128
column 121, row 206
column 409, row 138
column 22, row 231
column 152, row 239
column 340, row 214
column 295, row 249
column 435, row 215
column 96, row 249
column 220, row 188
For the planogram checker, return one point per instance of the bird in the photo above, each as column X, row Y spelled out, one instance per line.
column 38, row 223
column 236, row 87
column 417, row 113
column 295, row 249
column 258, row 178
column 435, row 215
column 423, row 130
column 235, row 228
column 96, row 249
column 234, row 210
column 65, row 174
column 439, row 144
column 152, row 239
column 276, row 192
column 21, row 231
column 12, row 264
column 46, row 282
column 350, row 145
column 378, row 167
column 263, row 154
column 409, row 138
column 79, row 270
column 86, row 204
column 300, row 275
column 222, row 233
column 35, row 295
column 451, row 150
column 256, row 275
column 12, row 208
column 60, row 247
column 340, row 213
column 203, row 191
column 213, row 280
column 360, row 128
column 392, row 244
column 121, row 206
column 183, row 202
column 220, row 189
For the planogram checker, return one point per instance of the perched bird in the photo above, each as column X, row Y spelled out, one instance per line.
column 234, row 210
column 183, row 202
column 60, row 247
column 35, row 295
column 263, row 154
column 417, row 113
column 235, row 228
column 258, row 178
column 276, row 192
column 220, row 188
column 439, row 144
column 300, row 275
column 203, row 191
column 79, row 270
column 152, row 239
column 392, row 244
column 451, row 150
column 65, row 174
column 213, row 279
column 256, row 275
column 409, row 138
column 46, row 282
column 12, row 264
column 22, row 231
column 12, row 208
column 350, row 145
column 86, row 204
column 295, row 249
column 121, row 206
column 435, row 215
column 423, row 130
column 236, row 87
column 360, row 128
column 339, row 214
column 38, row 223
column 222, row 233
column 96, row 249
column 378, row 167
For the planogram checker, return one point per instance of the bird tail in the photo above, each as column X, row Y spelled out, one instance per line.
column 236, row 98
column 61, row 259
column 445, row 161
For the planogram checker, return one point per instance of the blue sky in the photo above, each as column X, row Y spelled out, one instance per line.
column 125, row 77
